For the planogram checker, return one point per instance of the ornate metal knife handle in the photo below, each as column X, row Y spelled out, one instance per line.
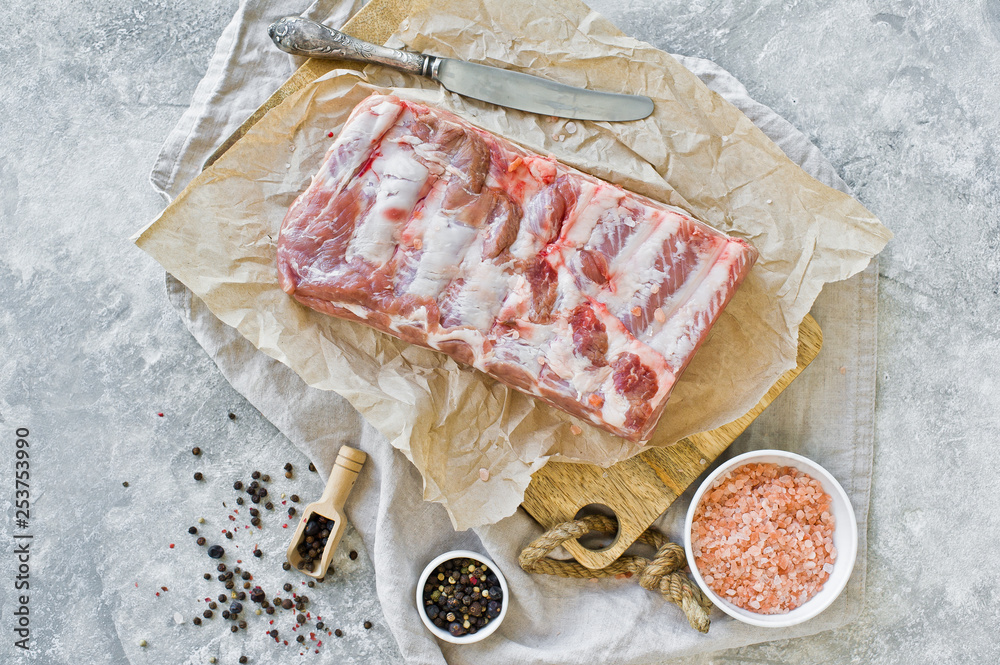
column 300, row 36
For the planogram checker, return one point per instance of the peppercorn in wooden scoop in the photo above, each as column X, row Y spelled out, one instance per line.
column 323, row 522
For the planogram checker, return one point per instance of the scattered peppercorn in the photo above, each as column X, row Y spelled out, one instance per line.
column 291, row 511
column 353, row 555
column 274, row 633
column 232, row 416
column 229, row 535
column 234, row 628
column 207, row 614
column 255, row 521
column 196, row 621
column 266, row 478
column 288, row 466
column 200, row 541
column 294, row 498
column 216, row 551
column 287, row 604
column 300, row 639
column 320, row 625
column 208, row 576
column 300, row 618
column 269, row 505
column 222, row 597
column 288, row 474
column 258, row 553
column 198, row 475
column 239, row 501
column 125, row 484
column 196, row 451
column 237, row 485
column 243, row 659
column 338, row 632
column 368, row 625
column 242, row 624
column 286, row 566
column 192, row 530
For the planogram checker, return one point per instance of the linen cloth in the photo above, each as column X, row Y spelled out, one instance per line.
column 827, row 414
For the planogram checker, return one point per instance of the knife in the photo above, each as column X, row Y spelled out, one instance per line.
column 515, row 90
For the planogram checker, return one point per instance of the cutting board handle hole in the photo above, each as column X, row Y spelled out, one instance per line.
column 598, row 541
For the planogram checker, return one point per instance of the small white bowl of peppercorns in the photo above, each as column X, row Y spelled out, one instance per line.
column 462, row 597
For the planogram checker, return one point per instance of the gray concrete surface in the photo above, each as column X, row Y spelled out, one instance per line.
column 900, row 94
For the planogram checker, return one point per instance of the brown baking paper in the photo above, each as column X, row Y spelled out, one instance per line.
column 696, row 151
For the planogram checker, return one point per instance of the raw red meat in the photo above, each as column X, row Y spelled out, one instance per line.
column 566, row 287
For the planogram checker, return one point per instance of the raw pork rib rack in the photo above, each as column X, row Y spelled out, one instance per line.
column 558, row 284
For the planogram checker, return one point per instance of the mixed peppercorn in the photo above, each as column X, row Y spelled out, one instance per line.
column 462, row 596
column 239, row 583
column 313, row 542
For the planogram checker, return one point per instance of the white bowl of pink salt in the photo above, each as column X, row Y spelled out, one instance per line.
column 771, row 538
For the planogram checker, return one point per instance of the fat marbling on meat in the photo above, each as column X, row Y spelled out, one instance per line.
column 591, row 298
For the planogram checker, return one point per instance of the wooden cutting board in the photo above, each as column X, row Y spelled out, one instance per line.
column 638, row 490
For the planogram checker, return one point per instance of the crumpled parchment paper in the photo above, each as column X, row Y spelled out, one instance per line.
column 696, row 151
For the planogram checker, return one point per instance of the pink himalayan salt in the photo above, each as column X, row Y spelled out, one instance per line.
column 762, row 537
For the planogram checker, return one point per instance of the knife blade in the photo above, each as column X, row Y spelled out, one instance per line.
column 516, row 90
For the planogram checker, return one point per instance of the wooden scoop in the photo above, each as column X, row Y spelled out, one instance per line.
column 331, row 506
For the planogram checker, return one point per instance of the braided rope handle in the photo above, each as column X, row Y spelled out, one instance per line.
column 664, row 573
